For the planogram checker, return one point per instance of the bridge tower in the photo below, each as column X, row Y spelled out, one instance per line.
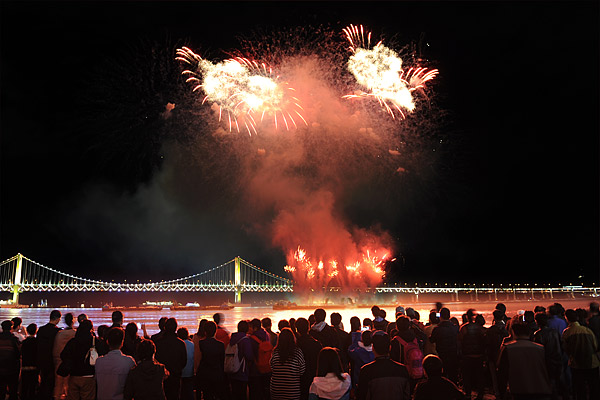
column 238, row 280
column 17, row 279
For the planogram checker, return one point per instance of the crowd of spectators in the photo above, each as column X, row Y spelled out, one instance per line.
column 536, row 354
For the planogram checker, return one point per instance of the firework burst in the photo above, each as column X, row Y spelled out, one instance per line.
column 246, row 91
column 379, row 70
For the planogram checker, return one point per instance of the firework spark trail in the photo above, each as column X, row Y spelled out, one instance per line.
column 242, row 88
column 379, row 70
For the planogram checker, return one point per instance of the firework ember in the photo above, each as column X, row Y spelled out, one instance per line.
column 245, row 90
column 379, row 70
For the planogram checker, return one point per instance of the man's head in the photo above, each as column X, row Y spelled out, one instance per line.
column 283, row 323
column 69, row 319
column 210, row 328
column 302, row 326
column 432, row 365
column 31, row 329
column 445, row 314
column 367, row 338
column 117, row 318
column 218, row 318
column 55, row 317
column 243, row 326
column 81, row 317
column 266, row 323
column 183, row 333
column 541, row 319
column 161, row 323
column 594, row 307
column 7, row 325
column 171, row 325
column 255, row 325
column 381, row 343
column 410, row 312
column 501, row 307
column 498, row 315
column 400, row 311
column 114, row 337
column 336, row 318
column 403, row 323
column 433, row 318
column 519, row 329
column 320, row 315
column 375, row 311
column 571, row 316
column 146, row 350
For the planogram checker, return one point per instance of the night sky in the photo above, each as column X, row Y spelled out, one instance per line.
column 510, row 196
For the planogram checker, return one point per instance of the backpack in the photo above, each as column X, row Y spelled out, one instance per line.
column 265, row 351
column 232, row 359
column 413, row 357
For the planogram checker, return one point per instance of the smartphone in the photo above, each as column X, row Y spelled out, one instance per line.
column 437, row 314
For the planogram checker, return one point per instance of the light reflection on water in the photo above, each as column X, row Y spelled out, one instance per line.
column 190, row 318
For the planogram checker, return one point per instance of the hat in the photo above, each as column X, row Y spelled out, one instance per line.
column 399, row 310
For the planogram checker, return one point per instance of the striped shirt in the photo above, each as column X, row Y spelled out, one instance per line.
column 285, row 381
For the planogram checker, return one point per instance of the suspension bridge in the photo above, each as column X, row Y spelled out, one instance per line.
column 20, row 274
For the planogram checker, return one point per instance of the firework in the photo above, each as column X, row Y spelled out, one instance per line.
column 379, row 71
column 244, row 90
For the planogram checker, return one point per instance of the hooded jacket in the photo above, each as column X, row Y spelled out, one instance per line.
column 244, row 350
column 145, row 381
column 360, row 355
column 330, row 387
column 325, row 334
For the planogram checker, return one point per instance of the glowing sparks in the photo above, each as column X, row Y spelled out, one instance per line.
column 242, row 89
column 379, row 71
column 367, row 269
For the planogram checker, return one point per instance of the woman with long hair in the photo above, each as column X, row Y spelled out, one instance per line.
column 287, row 365
column 331, row 381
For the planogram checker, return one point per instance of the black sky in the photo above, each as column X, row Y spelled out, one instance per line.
column 515, row 198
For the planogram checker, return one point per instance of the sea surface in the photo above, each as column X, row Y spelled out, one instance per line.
column 190, row 318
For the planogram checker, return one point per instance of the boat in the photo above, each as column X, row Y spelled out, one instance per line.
column 287, row 305
column 198, row 307
column 131, row 308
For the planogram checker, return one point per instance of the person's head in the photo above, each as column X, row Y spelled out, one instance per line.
column 445, row 314
column 498, row 315
column 16, row 323
column 81, row 317
column 68, row 318
column 311, row 319
column 400, row 311
column 417, row 316
column 541, row 318
column 581, row 313
column 529, row 316
column 553, row 310
column 381, row 343
column 454, row 321
column 519, row 329
column 183, row 334
column 571, row 316
column 161, row 323
column 7, row 325
column 255, row 325
column 201, row 327
column 336, row 318
column 410, row 312
column 560, row 309
column 480, row 320
column 293, row 324
column 433, row 318
column 438, row 306
column 594, row 307
column 320, row 315
column 145, row 350
column 283, row 323
column 102, row 329
column 368, row 323
column 55, row 317
column 84, row 329
column 266, row 323
column 114, row 338
column 354, row 324
column 329, row 362
column 131, row 330
column 366, row 338
column 218, row 318
column 471, row 313
column 433, row 366
column 210, row 328
column 501, row 307
column 538, row 309
column 243, row 326
column 286, row 343
column 31, row 329
column 117, row 318
column 302, row 326
column 171, row 325
column 403, row 323
column 375, row 311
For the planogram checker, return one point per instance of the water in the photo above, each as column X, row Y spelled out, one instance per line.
column 190, row 318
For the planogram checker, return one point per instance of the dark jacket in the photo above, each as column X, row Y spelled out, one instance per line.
column 45, row 339
column 211, row 367
column 29, row 352
column 550, row 339
column 145, row 381
column 360, row 355
column 10, row 354
column 171, row 351
column 436, row 388
column 310, row 348
column 130, row 345
column 344, row 342
column 472, row 339
column 494, row 336
column 325, row 334
column 244, row 351
column 75, row 353
column 383, row 379
column 445, row 337
column 522, row 365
